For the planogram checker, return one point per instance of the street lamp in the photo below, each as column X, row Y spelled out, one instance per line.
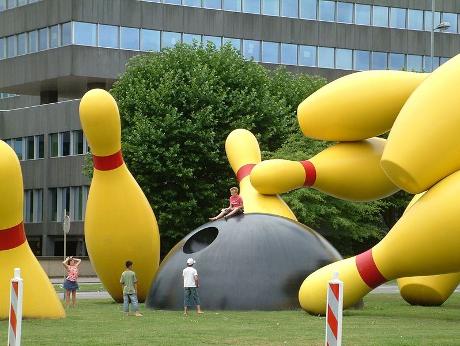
column 441, row 27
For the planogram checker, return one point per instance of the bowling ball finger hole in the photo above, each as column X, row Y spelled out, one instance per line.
column 200, row 240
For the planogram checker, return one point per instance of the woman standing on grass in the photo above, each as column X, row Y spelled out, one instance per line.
column 70, row 284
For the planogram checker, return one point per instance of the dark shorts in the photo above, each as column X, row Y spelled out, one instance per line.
column 191, row 296
column 70, row 285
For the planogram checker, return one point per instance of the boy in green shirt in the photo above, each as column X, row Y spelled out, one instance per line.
column 128, row 282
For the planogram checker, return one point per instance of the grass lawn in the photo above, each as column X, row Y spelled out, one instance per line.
column 89, row 287
column 385, row 320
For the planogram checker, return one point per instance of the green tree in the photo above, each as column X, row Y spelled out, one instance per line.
column 177, row 108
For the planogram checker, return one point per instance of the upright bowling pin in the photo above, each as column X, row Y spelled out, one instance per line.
column 424, row 143
column 243, row 153
column 424, row 241
column 431, row 290
column 40, row 299
column 358, row 106
column 119, row 222
column 349, row 170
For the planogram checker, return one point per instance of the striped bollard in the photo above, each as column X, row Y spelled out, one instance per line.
column 334, row 311
column 15, row 323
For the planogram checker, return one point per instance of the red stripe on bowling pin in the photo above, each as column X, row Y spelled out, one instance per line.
column 12, row 237
column 368, row 269
column 310, row 173
column 107, row 163
column 334, row 312
column 15, row 320
column 244, row 171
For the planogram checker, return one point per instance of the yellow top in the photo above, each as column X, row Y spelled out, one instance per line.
column 242, row 148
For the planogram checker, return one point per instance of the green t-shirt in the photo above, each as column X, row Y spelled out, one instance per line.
column 128, row 279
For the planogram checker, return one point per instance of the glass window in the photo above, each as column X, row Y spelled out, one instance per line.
column 22, row 44
column 396, row 61
column 307, row 55
column 450, row 18
column 30, row 148
column 40, row 146
column 217, row 41
column 235, row 42
column 190, row 38
column 345, row 12
column 193, row 3
column 415, row 63
column 65, row 143
column 344, row 59
column 85, row 33
column 362, row 14
column 53, row 204
column 327, row 10
column 251, row 6
column 2, row 48
column 288, row 54
column 216, row 4
column 77, row 193
column 379, row 61
column 108, row 36
column 66, row 34
column 361, row 60
column 169, row 39
column 17, row 146
column 414, row 19
column 65, row 200
column 270, row 52
column 325, row 57
column 443, row 60
column 43, row 39
column 38, row 202
column 398, row 18
column 232, row 5
column 172, row 2
column 54, row 144
column 2, row 5
column 429, row 19
column 150, row 40
column 380, row 16
column 11, row 46
column 54, row 36
column 33, row 41
column 271, row 7
column 11, row 3
column 77, row 142
column 290, row 8
column 251, row 49
column 28, row 206
column 129, row 38
column 308, row 9
column 427, row 63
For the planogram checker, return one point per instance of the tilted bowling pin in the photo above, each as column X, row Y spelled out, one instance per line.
column 119, row 222
column 357, row 106
column 243, row 153
column 425, row 241
column 424, row 142
column 40, row 299
column 431, row 290
column 348, row 170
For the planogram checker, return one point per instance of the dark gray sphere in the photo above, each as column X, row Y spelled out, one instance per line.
column 249, row 262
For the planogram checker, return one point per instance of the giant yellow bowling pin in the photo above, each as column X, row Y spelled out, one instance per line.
column 431, row 290
column 358, row 106
column 424, row 241
column 424, row 143
column 243, row 153
column 40, row 299
column 349, row 170
column 119, row 222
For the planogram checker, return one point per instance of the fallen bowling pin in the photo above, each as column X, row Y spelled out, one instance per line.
column 40, row 298
column 119, row 222
column 349, row 170
column 424, row 241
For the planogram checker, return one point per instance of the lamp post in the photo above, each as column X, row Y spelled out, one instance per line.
column 441, row 27
column 66, row 229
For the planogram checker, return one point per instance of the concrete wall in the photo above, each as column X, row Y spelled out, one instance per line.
column 54, row 268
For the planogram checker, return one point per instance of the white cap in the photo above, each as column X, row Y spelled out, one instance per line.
column 190, row 261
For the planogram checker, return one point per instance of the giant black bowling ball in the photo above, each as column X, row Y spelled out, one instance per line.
column 249, row 262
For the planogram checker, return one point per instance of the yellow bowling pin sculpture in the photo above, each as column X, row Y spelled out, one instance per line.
column 357, row 106
column 431, row 290
column 425, row 241
column 349, row 170
column 424, row 143
column 243, row 153
column 40, row 299
column 119, row 222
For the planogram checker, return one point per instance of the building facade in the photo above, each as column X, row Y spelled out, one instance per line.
column 53, row 51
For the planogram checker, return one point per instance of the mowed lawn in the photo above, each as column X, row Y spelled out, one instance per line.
column 385, row 320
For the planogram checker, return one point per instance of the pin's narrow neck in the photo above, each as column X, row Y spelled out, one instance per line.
column 107, row 163
column 244, row 171
column 11, row 238
column 368, row 270
column 310, row 173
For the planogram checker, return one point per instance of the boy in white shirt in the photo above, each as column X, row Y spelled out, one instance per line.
column 191, row 283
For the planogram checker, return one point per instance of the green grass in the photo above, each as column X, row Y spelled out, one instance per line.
column 385, row 320
column 90, row 287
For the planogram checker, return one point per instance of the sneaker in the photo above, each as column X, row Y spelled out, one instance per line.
column 138, row 314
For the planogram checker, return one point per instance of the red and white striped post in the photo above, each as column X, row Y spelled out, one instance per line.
column 15, row 324
column 334, row 311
